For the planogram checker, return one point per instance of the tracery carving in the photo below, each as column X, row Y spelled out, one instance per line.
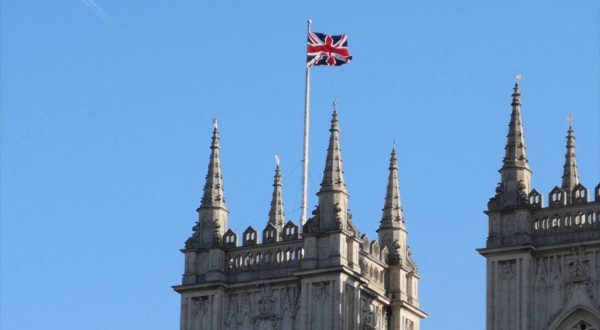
column 579, row 270
column 199, row 306
column 541, row 273
column 266, row 301
column 233, row 306
column 579, row 265
column 321, row 290
column 245, row 303
column 289, row 299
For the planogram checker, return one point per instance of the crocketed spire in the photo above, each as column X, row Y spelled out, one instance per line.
column 276, row 214
column 570, row 177
column 333, row 176
column 214, row 196
column 515, row 182
column 392, row 209
column 332, row 211
column 516, row 155
column 212, row 213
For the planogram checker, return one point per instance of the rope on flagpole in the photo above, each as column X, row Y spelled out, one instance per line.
column 306, row 132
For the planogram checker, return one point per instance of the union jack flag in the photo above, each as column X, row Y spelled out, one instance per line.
column 325, row 49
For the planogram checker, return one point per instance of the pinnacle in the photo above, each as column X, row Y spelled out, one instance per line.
column 276, row 213
column 213, row 188
column 516, row 155
column 333, row 175
column 392, row 209
column 570, row 176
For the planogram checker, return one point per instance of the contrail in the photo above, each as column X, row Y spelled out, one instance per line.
column 96, row 9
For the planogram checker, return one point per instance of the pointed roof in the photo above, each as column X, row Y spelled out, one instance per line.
column 570, row 177
column 214, row 196
column 276, row 214
column 392, row 209
column 516, row 155
column 333, row 175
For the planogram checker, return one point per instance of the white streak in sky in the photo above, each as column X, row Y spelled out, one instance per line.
column 98, row 11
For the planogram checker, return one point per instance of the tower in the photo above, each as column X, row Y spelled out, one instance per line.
column 543, row 261
column 327, row 277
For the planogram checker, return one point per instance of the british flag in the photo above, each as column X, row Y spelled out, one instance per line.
column 324, row 49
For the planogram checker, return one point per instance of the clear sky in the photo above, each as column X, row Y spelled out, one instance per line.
column 106, row 122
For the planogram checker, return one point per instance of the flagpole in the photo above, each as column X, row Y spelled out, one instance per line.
column 306, row 132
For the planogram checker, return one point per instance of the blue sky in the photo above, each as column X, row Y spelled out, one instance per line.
column 106, row 122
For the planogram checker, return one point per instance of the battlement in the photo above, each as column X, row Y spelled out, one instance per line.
column 564, row 219
column 260, row 260
column 560, row 197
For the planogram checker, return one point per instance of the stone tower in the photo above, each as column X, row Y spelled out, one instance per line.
column 543, row 261
column 328, row 277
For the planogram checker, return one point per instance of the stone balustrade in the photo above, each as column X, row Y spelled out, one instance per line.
column 568, row 220
column 279, row 254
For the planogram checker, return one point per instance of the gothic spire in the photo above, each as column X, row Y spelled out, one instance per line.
column 212, row 213
column 570, row 177
column 333, row 175
column 276, row 214
column 332, row 211
column 214, row 196
column 516, row 155
column 392, row 209
column 515, row 182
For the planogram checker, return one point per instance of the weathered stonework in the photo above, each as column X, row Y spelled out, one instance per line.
column 543, row 261
column 327, row 277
